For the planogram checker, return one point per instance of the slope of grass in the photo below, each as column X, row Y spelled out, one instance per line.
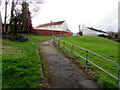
column 102, row 46
column 21, row 65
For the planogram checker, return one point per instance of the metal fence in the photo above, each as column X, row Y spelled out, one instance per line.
column 60, row 43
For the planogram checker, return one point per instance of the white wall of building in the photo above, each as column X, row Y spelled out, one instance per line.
column 64, row 26
column 60, row 27
column 88, row 32
column 54, row 27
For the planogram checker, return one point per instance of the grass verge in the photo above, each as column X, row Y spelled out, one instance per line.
column 21, row 65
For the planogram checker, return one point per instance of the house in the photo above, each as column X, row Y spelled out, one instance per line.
column 89, row 32
column 53, row 28
column 92, row 31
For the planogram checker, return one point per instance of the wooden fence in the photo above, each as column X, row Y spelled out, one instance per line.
column 60, row 43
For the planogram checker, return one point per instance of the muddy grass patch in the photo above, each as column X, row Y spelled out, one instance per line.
column 47, row 77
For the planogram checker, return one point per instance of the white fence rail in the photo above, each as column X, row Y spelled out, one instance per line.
column 58, row 44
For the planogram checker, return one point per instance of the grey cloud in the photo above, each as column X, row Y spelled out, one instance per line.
column 110, row 22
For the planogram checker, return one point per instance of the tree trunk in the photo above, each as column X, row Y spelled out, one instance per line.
column 0, row 25
column 11, row 18
column 5, row 29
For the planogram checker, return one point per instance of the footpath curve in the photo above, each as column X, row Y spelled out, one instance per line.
column 59, row 72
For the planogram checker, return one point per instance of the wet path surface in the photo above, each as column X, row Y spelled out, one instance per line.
column 59, row 71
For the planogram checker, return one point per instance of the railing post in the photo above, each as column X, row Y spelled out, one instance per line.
column 63, row 45
column 53, row 40
column 58, row 43
column 86, row 57
column 72, row 48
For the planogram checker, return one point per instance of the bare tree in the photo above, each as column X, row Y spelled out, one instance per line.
column 35, row 6
column 29, row 9
column 20, row 15
column 11, row 17
column 0, row 21
column 83, row 27
column 0, row 24
column 5, row 29
column 80, row 31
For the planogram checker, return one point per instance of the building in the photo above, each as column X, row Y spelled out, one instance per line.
column 53, row 28
column 92, row 31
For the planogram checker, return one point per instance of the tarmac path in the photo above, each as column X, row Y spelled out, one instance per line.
column 58, row 70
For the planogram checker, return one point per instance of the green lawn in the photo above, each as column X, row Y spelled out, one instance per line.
column 21, row 65
column 102, row 46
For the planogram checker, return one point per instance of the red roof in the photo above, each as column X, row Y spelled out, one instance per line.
column 50, row 24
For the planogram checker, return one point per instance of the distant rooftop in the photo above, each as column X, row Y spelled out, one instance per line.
column 50, row 24
column 96, row 30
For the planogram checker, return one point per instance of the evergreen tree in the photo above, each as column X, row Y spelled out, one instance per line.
column 26, row 18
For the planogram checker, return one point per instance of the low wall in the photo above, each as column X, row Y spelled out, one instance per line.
column 43, row 32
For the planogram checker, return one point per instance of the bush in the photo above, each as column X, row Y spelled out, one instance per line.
column 102, row 35
column 15, row 38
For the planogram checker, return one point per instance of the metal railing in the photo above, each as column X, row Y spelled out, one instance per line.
column 58, row 44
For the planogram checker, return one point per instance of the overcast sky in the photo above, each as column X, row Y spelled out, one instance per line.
column 101, row 14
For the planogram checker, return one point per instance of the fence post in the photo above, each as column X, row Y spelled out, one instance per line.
column 86, row 57
column 63, row 45
column 53, row 40
column 72, row 48
column 58, row 43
